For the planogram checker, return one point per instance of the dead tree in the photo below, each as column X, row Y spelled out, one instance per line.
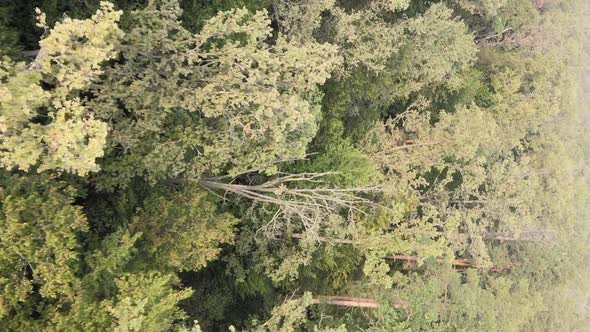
column 295, row 202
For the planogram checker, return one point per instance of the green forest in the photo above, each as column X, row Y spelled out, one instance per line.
column 294, row 165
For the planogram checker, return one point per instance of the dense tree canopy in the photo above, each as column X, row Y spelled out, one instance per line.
column 294, row 165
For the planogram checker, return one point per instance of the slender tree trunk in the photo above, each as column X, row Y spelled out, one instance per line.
column 323, row 239
column 530, row 235
column 345, row 301
column 457, row 262
column 355, row 302
column 31, row 54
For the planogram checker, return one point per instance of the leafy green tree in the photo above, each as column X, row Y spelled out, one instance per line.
column 300, row 19
column 181, row 231
column 388, row 73
column 146, row 301
column 228, row 103
column 439, row 300
column 196, row 12
column 39, row 250
column 51, row 129
column 415, row 165
column 482, row 7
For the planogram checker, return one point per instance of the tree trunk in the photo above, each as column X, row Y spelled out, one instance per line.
column 345, row 301
column 457, row 262
column 30, row 54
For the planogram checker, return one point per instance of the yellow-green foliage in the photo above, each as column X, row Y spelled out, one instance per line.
column 299, row 19
column 223, row 100
column 443, row 300
column 286, row 317
column 50, row 128
column 182, row 231
column 438, row 47
column 459, row 170
column 258, row 156
column 482, row 7
column 366, row 39
column 390, row 5
column 73, row 51
column 39, row 244
column 390, row 61
column 147, row 302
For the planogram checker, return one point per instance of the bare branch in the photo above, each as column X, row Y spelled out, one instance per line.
column 308, row 206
